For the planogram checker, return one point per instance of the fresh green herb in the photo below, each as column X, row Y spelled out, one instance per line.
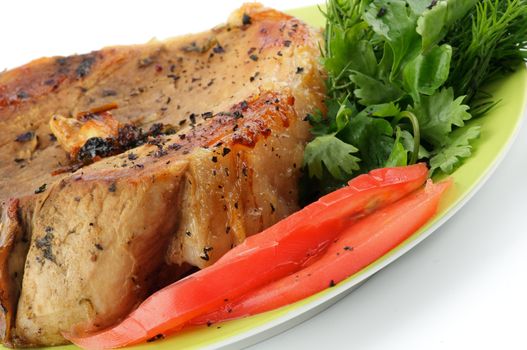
column 403, row 77
column 334, row 154
column 459, row 147
column 489, row 41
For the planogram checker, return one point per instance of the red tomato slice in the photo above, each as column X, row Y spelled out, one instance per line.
column 357, row 246
column 270, row 255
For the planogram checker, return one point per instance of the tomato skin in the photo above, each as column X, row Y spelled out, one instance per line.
column 278, row 251
column 357, row 246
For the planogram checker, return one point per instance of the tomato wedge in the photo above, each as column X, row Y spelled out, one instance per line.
column 268, row 256
column 357, row 246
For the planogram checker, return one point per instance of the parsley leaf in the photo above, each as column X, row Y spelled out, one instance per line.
column 458, row 148
column 332, row 153
column 437, row 114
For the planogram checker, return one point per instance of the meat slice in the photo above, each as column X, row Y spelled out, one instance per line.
column 14, row 244
column 84, row 248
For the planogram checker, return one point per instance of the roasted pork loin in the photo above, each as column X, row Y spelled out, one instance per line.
column 82, row 242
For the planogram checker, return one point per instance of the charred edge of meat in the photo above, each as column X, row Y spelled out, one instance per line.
column 129, row 137
column 95, row 146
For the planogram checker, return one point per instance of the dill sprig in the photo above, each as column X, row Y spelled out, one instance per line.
column 489, row 41
column 342, row 17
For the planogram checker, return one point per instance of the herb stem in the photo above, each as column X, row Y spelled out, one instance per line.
column 417, row 134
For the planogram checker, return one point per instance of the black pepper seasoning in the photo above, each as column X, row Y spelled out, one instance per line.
column 432, row 4
column 41, row 189
column 25, row 137
column 246, row 19
column 205, row 255
column 207, row 115
column 156, row 337
column 218, row 49
column 22, row 95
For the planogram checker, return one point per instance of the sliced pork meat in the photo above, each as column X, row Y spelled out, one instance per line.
column 123, row 168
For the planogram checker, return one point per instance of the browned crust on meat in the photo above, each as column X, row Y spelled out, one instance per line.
column 243, row 125
column 144, row 81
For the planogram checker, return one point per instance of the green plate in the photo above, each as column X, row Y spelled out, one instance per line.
column 498, row 130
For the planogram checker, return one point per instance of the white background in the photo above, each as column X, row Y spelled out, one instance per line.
column 463, row 288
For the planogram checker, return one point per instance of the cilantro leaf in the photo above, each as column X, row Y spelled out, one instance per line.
column 332, row 153
column 437, row 114
column 458, row 148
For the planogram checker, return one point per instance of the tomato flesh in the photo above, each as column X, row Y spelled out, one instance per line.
column 356, row 247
